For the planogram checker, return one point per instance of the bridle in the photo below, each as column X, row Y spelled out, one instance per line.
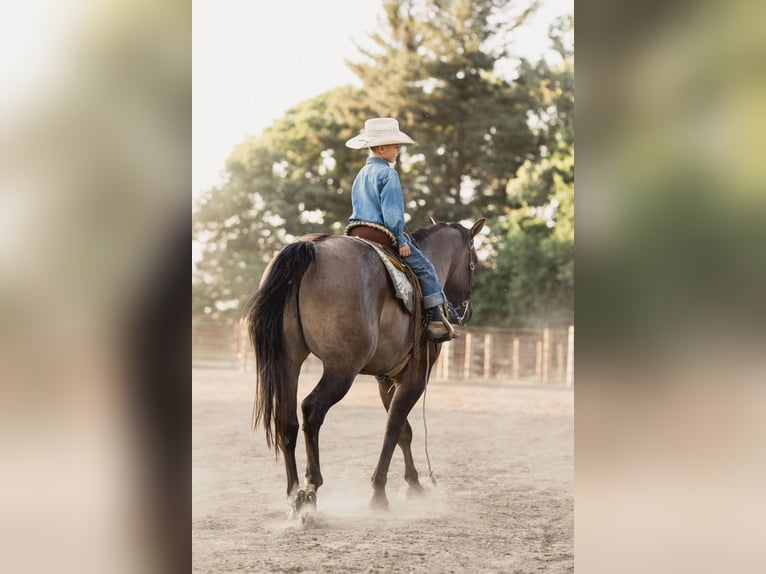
column 466, row 304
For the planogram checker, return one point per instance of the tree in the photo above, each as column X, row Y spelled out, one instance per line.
column 529, row 280
column 489, row 146
column 293, row 179
column 434, row 68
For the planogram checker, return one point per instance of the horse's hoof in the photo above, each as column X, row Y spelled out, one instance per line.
column 302, row 501
column 295, row 505
column 415, row 490
column 379, row 502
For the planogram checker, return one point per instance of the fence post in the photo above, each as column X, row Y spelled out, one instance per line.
column 487, row 355
column 570, row 356
column 559, row 362
column 237, row 344
column 437, row 372
column 467, row 358
column 539, row 360
column 515, row 358
column 243, row 336
column 546, row 354
column 445, row 361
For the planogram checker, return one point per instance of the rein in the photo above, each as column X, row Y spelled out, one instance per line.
column 454, row 311
column 431, row 476
column 456, row 314
column 461, row 319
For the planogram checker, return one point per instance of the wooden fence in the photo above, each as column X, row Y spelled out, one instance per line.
column 533, row 355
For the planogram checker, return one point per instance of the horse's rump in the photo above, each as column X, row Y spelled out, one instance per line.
column 318, row 292
column 346, row 296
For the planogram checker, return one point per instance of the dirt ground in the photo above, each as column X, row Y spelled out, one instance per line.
column 501, row 453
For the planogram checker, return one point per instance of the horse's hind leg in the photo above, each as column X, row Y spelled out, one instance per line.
column 331, row 388
column 386, row 391
column 296, row 354
column 291, row 435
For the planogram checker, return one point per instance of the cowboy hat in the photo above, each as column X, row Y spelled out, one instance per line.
column 379, row 131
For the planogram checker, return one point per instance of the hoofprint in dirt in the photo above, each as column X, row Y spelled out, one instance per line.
column 502, row 455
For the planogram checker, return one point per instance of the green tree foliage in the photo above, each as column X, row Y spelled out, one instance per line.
column 292, row 180
column 529, row 280
column 489, row 146
column 436, row 71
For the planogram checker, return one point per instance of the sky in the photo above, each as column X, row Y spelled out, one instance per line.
column 252, row 61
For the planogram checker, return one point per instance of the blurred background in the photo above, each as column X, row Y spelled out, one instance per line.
column 671, row 276
column 95, row 152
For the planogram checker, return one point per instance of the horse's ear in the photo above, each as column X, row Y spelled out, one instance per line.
column 476, row 227
column 431, row 217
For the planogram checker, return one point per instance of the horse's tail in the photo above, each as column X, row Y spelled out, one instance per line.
column 265, row 318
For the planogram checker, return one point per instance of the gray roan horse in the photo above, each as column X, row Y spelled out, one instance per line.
column 329, row 295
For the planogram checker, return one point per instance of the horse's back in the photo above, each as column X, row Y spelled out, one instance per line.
column 347, row 311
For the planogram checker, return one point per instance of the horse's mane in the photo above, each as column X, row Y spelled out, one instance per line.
column 424, row 232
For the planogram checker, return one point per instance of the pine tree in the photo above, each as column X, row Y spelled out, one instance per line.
column 434, row 68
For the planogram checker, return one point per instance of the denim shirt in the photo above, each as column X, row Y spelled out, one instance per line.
column 376, row 196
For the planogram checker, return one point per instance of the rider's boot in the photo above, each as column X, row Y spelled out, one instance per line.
column 438, row 329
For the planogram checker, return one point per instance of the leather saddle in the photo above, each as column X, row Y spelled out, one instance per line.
column 403, row 279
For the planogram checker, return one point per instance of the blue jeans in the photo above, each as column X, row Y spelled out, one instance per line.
column 429, row 281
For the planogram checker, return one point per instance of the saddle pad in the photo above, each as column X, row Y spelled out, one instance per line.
column 402, row 287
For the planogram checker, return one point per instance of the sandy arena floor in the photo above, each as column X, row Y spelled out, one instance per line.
column 502, row 455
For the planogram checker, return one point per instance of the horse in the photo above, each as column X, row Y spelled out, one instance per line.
column 329, row 295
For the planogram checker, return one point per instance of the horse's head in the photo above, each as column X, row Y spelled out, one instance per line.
column 451, row 250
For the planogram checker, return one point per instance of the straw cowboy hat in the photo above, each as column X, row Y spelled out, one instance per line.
column 379, row 131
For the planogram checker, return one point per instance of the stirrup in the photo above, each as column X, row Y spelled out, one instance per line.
column 440, row 330
column 453, row 333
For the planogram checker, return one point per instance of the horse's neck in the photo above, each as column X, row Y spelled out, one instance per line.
column 441, row 254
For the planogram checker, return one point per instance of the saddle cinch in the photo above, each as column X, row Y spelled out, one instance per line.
column 403, row 279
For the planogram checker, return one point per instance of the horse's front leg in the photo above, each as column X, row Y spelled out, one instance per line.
column 386, row 390
column 404, row 398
